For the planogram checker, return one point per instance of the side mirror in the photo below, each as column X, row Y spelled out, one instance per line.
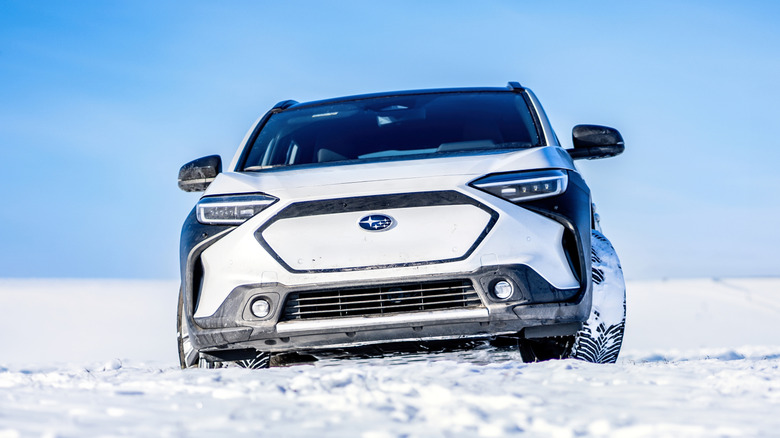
column 594, row 141
column 196, row 175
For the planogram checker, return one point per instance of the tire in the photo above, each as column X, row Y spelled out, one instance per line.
column 601, row 336
column 541, row 349
column 189, row 357
column 262, row 360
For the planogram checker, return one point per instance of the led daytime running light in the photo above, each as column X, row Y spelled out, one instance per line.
column 231, row 210
column 525, row 186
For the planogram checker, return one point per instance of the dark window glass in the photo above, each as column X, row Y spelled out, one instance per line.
column 397, row 127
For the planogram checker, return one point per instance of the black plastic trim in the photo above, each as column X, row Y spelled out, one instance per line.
column 547, row 331
column 191, row 245
column 572, row 209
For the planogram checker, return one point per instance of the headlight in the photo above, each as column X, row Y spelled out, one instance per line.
column 232, row 209
column 524, row 186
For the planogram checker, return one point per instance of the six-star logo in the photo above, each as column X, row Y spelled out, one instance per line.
column 376, row 222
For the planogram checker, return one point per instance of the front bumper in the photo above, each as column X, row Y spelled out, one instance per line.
column 536, row 309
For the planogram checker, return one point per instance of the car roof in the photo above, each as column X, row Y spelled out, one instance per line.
column 291, row 104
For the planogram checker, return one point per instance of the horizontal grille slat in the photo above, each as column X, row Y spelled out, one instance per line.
column 358, row 310
column 405, row 298
column 381, row 300
column 347, row 293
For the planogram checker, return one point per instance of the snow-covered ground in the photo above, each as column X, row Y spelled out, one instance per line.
column 97, row 358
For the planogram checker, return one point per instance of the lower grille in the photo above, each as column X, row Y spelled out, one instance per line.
column 381, row 300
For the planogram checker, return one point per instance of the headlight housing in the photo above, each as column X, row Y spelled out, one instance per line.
column 231, row 209
column 524, row 186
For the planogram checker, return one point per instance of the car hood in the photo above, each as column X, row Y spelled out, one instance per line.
column 448, row 169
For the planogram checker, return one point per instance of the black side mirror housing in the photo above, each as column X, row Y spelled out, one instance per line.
column 593, row 141
column 196, row 175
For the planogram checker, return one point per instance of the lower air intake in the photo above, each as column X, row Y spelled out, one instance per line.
column 381, row 300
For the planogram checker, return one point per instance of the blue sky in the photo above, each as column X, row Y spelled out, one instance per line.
column 102, row 102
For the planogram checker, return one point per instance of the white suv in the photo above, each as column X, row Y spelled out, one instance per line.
column 390, row 221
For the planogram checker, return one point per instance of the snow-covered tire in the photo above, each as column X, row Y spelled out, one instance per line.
column 262, row 360
column 188, row 356
column 601, row 336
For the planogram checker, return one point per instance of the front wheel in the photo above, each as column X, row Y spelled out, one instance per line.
column 188, row 356
column 601, row 336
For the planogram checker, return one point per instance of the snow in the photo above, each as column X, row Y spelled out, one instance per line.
column 608, row 294
column 97, row 358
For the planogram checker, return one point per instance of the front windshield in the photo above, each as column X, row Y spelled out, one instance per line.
column 390, row 128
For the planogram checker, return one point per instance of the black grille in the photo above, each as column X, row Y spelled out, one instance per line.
column 381, row 300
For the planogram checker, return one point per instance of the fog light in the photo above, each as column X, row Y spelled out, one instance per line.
column 261, row 308
column 502, row 290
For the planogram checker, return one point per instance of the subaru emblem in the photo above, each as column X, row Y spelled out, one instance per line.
column 376, row 222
